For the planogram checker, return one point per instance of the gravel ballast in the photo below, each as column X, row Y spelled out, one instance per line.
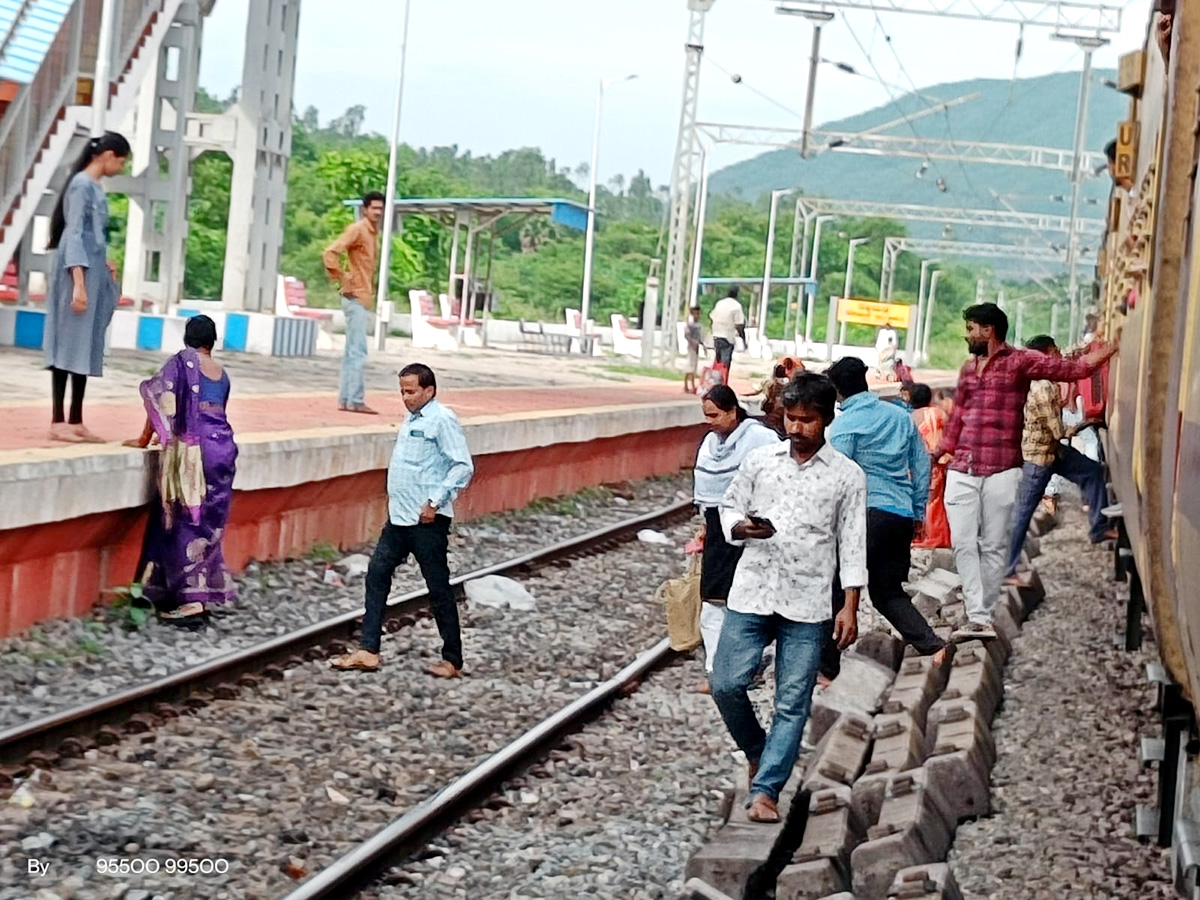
column 1068, row 776
column 290, row 775
column 62, row 663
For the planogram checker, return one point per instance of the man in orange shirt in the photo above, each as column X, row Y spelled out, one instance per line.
column 357, row 284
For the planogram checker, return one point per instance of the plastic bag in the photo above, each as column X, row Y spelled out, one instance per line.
column 680, row 598
column 499, row 592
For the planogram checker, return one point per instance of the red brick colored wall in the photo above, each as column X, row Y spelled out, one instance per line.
column 61, row 569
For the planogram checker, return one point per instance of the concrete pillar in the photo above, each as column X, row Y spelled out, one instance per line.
column 260, row 156
column 156, row 231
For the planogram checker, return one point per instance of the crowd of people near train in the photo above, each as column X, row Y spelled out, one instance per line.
column 805, row 509
column 820, row 497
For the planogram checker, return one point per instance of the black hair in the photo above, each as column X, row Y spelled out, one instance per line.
column 734, row 290
column 811, row 390
column 1043, row 343
column 723, row 398
column 780, row 371
column 1110, row 150
column 93, row 148
column 985, row 314
column 373, row 197
column 920, row 396
column 849, row 375
column 425, row 376
column 200, row 333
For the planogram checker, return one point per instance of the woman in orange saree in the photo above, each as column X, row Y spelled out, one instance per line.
column 931, row 422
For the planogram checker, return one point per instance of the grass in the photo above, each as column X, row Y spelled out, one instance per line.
column 324, row 552
column 646, row 371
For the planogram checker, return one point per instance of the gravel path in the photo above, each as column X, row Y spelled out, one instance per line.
column 1067, row 776
column 613, row 813
column 281, row 781
column 60, row 664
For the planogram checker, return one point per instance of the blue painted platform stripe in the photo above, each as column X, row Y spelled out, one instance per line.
column 187, row 313
column 31, row 324
column 150, row 333
column 294, row 337
column 237, row 331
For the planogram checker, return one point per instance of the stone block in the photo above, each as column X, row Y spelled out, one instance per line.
column 1033, row 546
column 918, row 684
column 914, row 828
column 867, row 795
column 958, row 767
column 1032, row 591
column 927, row 605
column 949, row 719
column 899, row 743
column 859, row 688
column 933, row 881
column 1010, row 599
column 841, row 754
column 939, row 584
column 882, row 646
column 946, row 575
column 943, row 558
column 955, row 613
column 821, row 865
column 740, row 846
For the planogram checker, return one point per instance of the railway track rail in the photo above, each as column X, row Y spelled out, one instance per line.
column 105, row 721
column 356, row 869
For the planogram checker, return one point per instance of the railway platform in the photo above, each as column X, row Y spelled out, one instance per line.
column 72, row 516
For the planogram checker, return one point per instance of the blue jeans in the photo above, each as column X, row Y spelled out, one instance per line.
column 744, row 636
column 1073, row 466
column 351, row 391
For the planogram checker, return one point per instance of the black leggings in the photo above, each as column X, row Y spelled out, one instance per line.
column 78, row 386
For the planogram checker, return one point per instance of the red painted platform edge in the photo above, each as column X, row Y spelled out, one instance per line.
column 62, row 569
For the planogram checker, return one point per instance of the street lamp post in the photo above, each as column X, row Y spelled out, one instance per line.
column 812, row 274
column 766, row 283
column 389, row 209
column 923, row 356
column 912, row 344
column 854, row 245
column 590, row 240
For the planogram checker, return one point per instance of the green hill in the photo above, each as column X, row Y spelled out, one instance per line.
column 1034, row 111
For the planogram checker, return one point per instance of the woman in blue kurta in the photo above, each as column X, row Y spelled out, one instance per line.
column 83, row 294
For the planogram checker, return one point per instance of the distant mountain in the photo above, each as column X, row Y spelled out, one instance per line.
column 1033, row 111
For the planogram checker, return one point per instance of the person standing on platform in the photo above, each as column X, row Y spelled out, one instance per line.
column 930, row 420
column 359, row 242
column 83, row 291
column 692, row 334
column 182, row 568
column 885, row 349
column 733, row 435
column 883, row 440
column 800, row 510
column 982, row 446
column 728, row 324
column 1045, row 455
column 430, row 467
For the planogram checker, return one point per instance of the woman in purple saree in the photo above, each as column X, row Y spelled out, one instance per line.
column 182, row 568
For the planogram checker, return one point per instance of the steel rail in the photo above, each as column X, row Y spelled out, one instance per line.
column 340, row 879
column 68, row 732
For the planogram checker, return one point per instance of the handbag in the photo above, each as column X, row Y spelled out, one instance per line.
column 680, row 598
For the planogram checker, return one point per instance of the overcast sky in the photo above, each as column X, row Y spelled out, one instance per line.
column 492, row 75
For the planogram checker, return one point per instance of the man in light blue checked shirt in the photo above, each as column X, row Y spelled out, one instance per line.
column 430, row 466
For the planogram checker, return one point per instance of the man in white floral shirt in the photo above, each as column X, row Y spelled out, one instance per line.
column 800, row 509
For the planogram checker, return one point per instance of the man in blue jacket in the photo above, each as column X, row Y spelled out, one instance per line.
column 882, row 438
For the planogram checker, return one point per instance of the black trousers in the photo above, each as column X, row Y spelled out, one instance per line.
column 889, row 557
column 723, row 352
column 429, row 544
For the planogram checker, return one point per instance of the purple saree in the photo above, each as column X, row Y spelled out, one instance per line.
column 182, row 560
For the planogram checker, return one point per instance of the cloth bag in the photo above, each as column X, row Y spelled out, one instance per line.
column 680, row 598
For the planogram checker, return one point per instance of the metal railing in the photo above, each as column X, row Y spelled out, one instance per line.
column 29, row 119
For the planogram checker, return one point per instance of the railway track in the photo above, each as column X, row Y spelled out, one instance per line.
column 354, row 870
column 43, row 742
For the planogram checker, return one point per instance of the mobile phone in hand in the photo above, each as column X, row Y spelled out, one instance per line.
column 761, row 522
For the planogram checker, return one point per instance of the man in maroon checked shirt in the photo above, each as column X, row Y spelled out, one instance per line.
column 982, row 445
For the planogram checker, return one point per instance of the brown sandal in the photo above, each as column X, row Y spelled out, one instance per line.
column 443, row 669
column 360, row 660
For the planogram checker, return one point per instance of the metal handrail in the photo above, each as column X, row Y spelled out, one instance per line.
column 21, row 11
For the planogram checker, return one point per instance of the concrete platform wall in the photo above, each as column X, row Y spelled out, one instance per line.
column 72, row 521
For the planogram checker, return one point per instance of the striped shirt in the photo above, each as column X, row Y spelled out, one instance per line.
column 430, row 464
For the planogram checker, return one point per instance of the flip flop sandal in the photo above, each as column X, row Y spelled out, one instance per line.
column 190, row 614
column 343, row 664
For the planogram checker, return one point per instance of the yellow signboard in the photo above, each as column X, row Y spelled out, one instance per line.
column 869, row 312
